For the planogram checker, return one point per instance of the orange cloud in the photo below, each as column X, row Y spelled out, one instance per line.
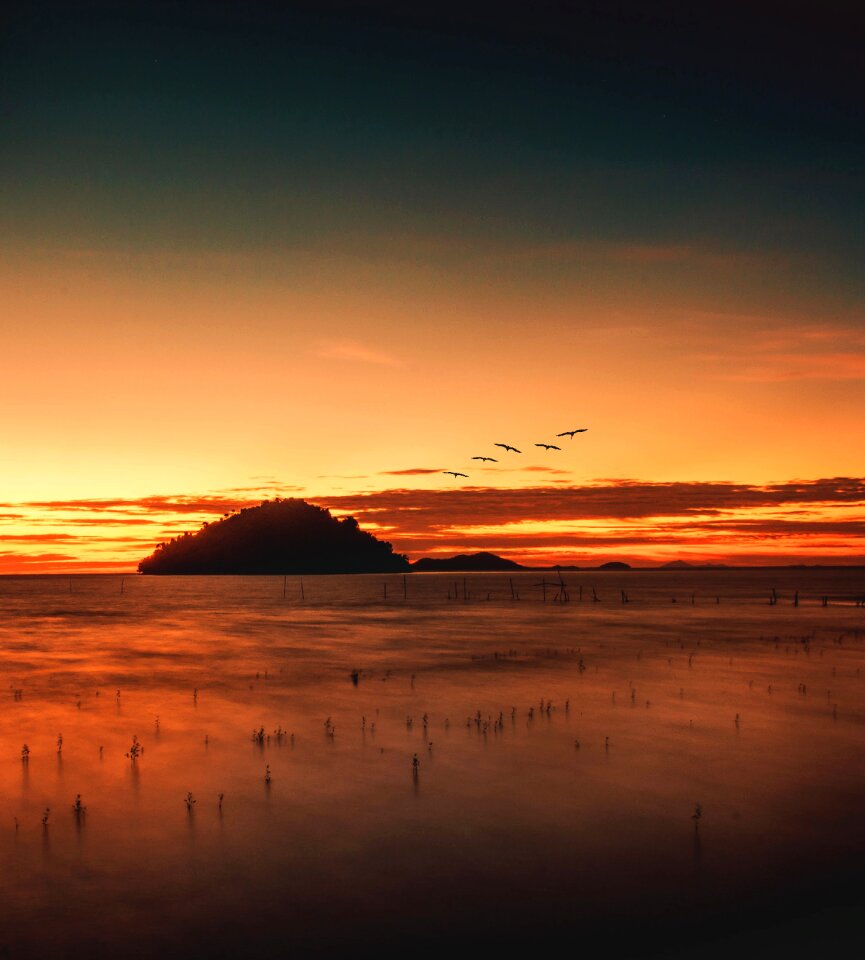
column 353, row 351
column 794, row 521
column 411, row 472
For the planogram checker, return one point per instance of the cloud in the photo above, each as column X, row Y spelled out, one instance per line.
column 411, row 472
column 182, row 503
column 794, row 518
column 784, row 367
column 615, row 499
column 355, row 352
column 32, row 558
column 801, row 520
column 57, row 563
column 785, row 352
column 644, row 253
column 28, row 538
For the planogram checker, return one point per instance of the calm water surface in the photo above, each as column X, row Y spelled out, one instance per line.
column 562, row 751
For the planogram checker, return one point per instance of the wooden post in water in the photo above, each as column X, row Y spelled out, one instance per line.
column 404, row 587
column 122, row 582
column 284, row 585
column 511, row 582
column 302, row 594
column 385, row 590
column 465, row 592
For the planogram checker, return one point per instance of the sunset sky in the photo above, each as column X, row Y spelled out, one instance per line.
column 333, row 251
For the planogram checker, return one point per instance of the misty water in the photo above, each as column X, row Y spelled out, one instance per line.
column 563, row 749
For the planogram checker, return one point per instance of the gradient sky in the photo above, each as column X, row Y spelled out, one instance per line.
column 333, row 250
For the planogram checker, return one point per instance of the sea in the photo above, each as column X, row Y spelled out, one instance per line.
column 631, row 763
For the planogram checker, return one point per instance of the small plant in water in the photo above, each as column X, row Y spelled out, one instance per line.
column 696, row 816
column 221, row 797
column 78, row 807
column 136, row 749
column 25, row 753
column 190, row 802
column 59, row 742
column 45, row 818
column 415, row 765
column 267, row 776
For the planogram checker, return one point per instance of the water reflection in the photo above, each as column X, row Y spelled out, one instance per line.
column 295, row 729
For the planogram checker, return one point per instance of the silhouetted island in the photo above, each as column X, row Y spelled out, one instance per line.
column 684, row 565
column 615, row 565
column 465, row 562
column 278, row 536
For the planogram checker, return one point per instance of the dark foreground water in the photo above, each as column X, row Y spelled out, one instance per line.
column 563, row 750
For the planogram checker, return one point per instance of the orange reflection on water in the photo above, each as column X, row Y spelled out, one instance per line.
column 562, row 750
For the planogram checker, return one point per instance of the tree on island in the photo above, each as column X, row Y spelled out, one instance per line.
column 277, row 536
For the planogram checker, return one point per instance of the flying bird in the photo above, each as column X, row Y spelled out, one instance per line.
column 454, row 473
column 570, row 433
column 507, row 446
column 548, row 446
column 491, row 459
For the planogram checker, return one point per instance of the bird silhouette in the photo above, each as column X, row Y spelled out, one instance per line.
column 570, row 433
column 507, row 446
column 454, row 473
column 491, row 459
column 548, row 446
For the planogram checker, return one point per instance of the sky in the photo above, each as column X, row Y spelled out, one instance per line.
column 330, row 250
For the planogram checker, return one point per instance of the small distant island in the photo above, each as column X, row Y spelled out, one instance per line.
column 277, row 536
column 684, row 565
column 485, row 562
column 466, row 562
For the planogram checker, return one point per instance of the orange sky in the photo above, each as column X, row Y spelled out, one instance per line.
column 335, row 256
column 139, row 376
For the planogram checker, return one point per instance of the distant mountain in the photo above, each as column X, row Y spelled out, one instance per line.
column 684, row 565
column 278, row 536
column 468, row 563
column 615, row 565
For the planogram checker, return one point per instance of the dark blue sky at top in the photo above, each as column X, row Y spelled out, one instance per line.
column 228, row 126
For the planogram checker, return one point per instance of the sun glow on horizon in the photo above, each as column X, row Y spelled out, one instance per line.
column 283, row 261
column 813, row 522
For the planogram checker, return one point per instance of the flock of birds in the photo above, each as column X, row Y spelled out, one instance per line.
column 508, row 448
